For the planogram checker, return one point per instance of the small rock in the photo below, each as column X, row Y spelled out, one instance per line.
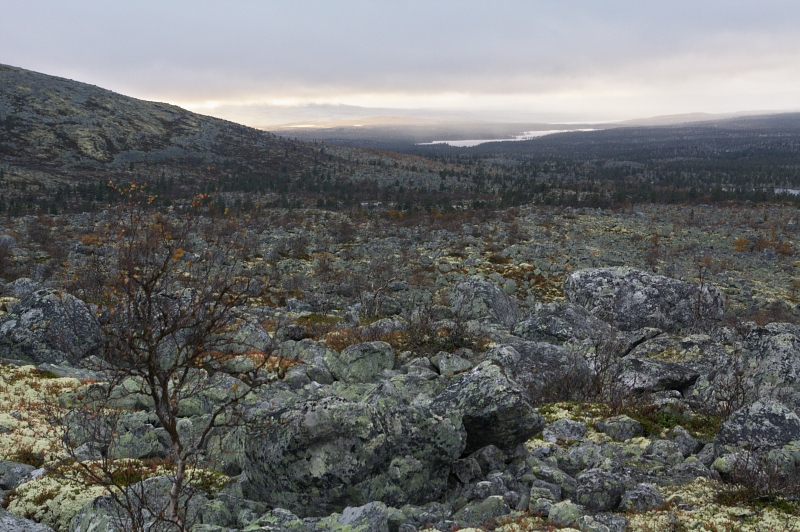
column 642, row 498
column 565, row 430
column 565, row 513
column 620, row 428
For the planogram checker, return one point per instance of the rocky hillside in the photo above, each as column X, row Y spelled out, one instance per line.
column 537, row 368
column 61, row 141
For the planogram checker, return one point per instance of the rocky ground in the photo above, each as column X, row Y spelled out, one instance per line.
column 514, row 370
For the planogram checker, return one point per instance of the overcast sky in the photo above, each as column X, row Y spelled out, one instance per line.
column 585, row 60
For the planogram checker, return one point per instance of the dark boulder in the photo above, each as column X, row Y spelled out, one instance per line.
column 49, row 326
column 632, row 299
column 559, row 322
column 763, row 425
column 493, row 408
column 321, row 456
column 475, row 299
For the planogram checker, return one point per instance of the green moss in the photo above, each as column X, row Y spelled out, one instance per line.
column 317, row 319
column 657, row 421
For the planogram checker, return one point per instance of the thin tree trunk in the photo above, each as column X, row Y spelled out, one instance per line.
column 175, row 492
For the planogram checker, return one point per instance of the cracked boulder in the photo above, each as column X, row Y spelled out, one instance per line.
column 49, row 326
column 476, row 299
column 318, row 457
column 493, row 408
column 631, row 299
column 763, row 425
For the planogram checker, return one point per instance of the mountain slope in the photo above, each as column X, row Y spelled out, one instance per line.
column 62, row 141
column 58, row 122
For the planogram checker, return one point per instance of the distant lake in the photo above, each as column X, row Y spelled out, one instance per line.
column 527, row 135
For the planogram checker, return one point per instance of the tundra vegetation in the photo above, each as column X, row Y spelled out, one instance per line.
column 177, row 361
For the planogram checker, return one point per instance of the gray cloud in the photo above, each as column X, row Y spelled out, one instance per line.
column 571, row 55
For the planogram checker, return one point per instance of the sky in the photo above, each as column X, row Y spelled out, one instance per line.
column 260, row 62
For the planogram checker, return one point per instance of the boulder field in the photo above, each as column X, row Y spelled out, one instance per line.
column 368, row 439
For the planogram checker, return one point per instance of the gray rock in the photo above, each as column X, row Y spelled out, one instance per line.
column 493, row 408
column 652, row 375
column 565, row 430
column 14, row 523
column 49, row 326
column 763, row 425
column 371, row 517
column 490, row 459
column 642, row 498
column 553, row 475
column 599, row 490
column 565, row 513
column 467, row 469
column 319, row 456
column 476, row 299
column 587, row 523
column 21, row 288
column 536, row 365
column 450, row 364
column 12, row 474
column 632, row 299
column 559, row 322
column 615, row 523
column 620, row 428
column 667, row 451
column 687, row 444
column 362, row 362
column 483, row 511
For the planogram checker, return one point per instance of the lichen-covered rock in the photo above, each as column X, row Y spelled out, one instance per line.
column 620, row 428
column 484, row 511
column 360, row 363
column 631, row 299
column 12, row 473
column 450, row 364
column 763, row 425
column 534, row 365
column 687, row 443
column 667, row 451
column 321, row 456
column 559, row 322
column 652, row 375
column 587, row 523
column 553, row 475
column 14, row 523
column 492, row 407
column 599, row 490
column 565, row 513
column 564, row 429
column 642, row 498
column 49, row 326
column 371, row 517
column 476, row 299
column 490, row 459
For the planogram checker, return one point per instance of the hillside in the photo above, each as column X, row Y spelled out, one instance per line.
column 62, row 141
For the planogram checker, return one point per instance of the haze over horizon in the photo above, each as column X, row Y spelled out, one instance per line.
column 268, row 63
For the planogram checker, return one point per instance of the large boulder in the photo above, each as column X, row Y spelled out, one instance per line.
column 493, row 408
column 14, row 523
column 632, row 299
column 653, row 375
column 559, row 322
column 763, row 425
column 476, row 299
column 49, row 326
column 12, row 474
column 538, row 366
column 321, row 456
column 361, row 363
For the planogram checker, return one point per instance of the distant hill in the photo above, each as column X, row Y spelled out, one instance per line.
column 58, row 123
column 62, row 141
